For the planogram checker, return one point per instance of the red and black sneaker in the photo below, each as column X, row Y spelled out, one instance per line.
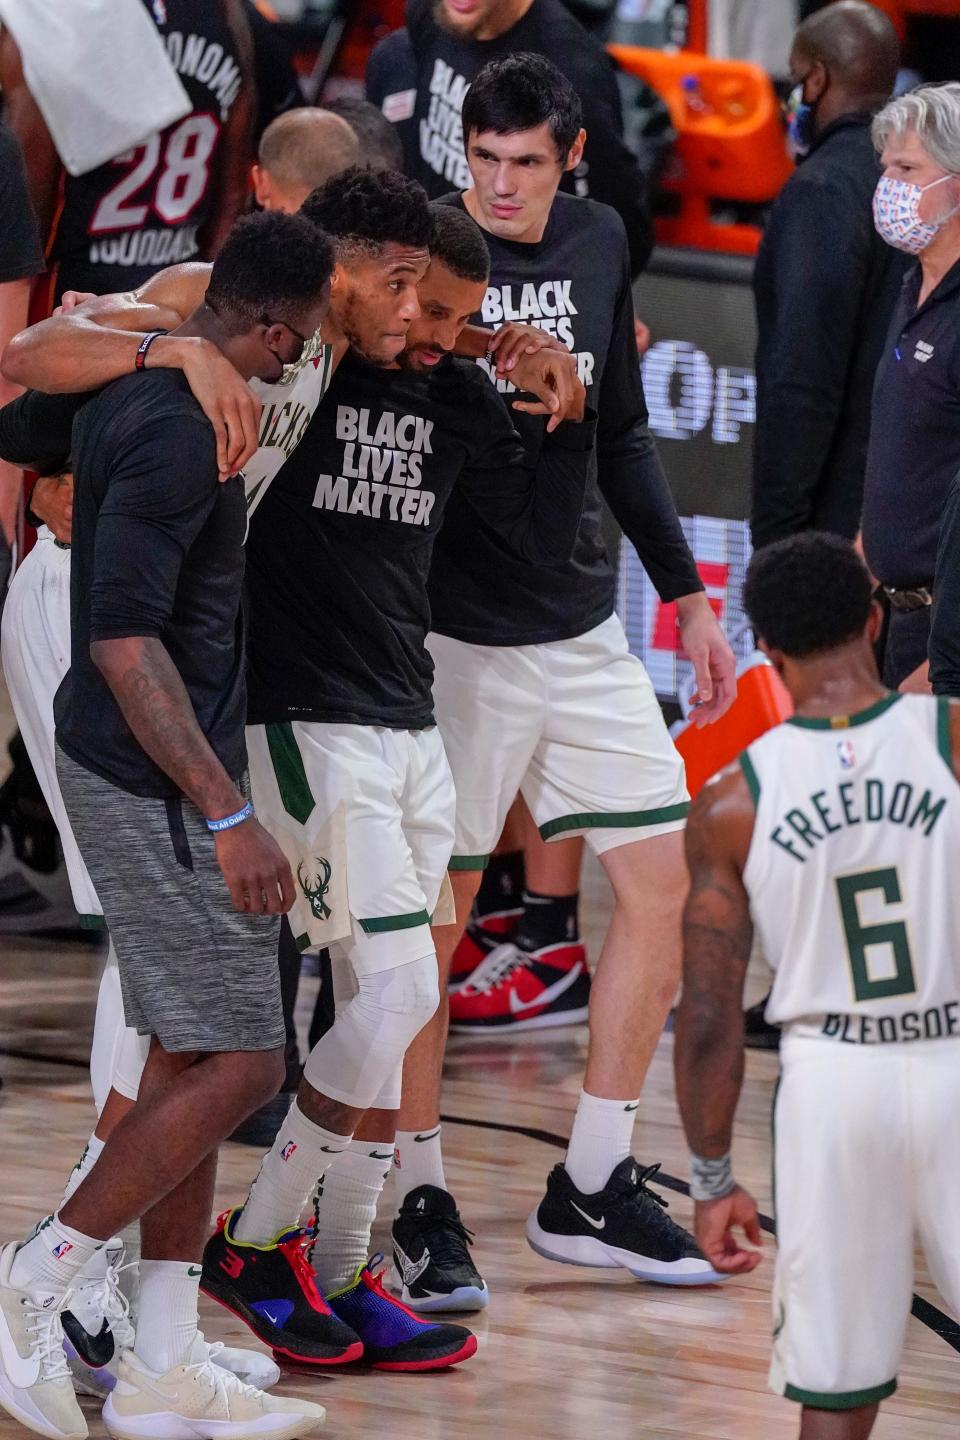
column 483, row 934
column 518, row 989
column 394, row 1338
column 273, row 1289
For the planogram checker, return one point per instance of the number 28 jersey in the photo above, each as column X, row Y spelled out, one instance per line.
column 142, row 211
column 853, row 875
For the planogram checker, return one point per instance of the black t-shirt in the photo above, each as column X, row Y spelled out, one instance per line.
column 575, row 283
column 158, row 551
column 35, row 430
column 21, row 256
column 445, row 67
column 339, row 549
column 143, row 211
column 914, row 451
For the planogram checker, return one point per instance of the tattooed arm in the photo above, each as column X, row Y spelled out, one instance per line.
column 149, row 691
column 708, row 1053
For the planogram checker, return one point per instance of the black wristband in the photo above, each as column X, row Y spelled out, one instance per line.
column 145, row 344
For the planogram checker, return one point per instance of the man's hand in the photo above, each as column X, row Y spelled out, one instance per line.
column 713, row 1226
column 551, row 375
column 52, row 502
column 227, row 401
column 70, row 299
column 917, row 682
column 513, row 340
column 712, row 658
column 641, row 333
column 255, row 869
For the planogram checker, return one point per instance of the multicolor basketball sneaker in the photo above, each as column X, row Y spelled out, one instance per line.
column 515, row 989
column 483, row 934
column 273, row 1290
column 394, row 1338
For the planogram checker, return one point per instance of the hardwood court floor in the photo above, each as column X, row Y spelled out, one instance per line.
column 564, row 1353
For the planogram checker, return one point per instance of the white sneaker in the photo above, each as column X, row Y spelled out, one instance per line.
column 250, row 1366
column 35, row 1385
column 197, row 1400
column 96, row 1322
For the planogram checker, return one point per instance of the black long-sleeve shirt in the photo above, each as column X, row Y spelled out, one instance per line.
column 575, row 282
column 825, row 286
column 446, row 65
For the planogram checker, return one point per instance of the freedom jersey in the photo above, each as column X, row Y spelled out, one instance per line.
column 142, row 211
column 851, row 871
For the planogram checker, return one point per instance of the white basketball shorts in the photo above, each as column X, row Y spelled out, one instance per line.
column 574, row 726
column 866, row 1143
column 365, row 816
column 35, row 649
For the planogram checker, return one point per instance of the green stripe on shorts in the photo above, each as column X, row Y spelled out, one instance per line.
column 615, row 819
column 379, row 923
column 92, row 922
column 292, row 779
column 849, row 1400
column 468, row 862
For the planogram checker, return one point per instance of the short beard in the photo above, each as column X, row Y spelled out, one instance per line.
column 347, row 326
column 460, row 31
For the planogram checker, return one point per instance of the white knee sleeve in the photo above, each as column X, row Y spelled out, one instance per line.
column 117, row 1054
column 359, row 1060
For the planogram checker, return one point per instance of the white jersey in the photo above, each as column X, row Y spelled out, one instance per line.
column 852, row 872
column 288, row 407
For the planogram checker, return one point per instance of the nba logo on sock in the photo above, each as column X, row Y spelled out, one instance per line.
column 846, row 754
column 288, row 1149
column 64, row 1248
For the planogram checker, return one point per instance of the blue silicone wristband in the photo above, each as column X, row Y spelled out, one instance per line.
column 229, row 821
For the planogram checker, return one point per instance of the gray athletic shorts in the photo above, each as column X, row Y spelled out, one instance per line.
column 194, row 972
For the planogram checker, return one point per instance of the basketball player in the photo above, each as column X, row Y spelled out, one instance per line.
column 348, row 770
column 578, row 731
column 151, row 759
column 298, row 152
column 172, row 198
column 835, row 837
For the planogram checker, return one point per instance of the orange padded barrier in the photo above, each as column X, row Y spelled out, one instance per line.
column 762, row 702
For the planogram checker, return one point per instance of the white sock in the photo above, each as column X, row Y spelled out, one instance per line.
column 345, row 1209
column 418, row 1160
column 600, row 1139
column 50, row 1259
column 167, row 1325
column 91, row 1154
column 301, row 1153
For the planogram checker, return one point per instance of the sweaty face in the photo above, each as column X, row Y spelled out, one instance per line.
column 375, row 300
column 515, row 179
column 446, row 304
column 477, row 19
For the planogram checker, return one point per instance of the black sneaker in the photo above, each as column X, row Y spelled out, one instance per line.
column 759, row 1034
column 273, row 1290
column 431, row 1258
column 623, row 1225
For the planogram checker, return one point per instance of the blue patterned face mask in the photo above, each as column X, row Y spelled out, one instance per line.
column 896, row 214
column 800, row 134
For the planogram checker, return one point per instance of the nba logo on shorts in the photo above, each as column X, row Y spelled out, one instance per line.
column 846, row 754
column 288, row 1149
column 64, row 1248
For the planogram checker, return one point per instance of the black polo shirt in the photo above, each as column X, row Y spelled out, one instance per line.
column 914, row 450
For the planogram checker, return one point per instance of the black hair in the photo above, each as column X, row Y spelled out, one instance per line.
column 270, row 265
column 807, row 594
column 458, row 243
column 380, row 145
column 365, row 209
column 521, row 92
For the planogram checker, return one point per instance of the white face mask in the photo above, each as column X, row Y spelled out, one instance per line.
column 896, row 214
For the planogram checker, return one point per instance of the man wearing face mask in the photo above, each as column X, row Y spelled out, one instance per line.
column 825, row 284
column 914, row 451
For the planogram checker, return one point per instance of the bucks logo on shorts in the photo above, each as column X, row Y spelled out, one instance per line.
column 316, row 886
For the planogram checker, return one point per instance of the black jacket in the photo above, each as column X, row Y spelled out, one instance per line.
column 429, row 117
column 825, row 285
